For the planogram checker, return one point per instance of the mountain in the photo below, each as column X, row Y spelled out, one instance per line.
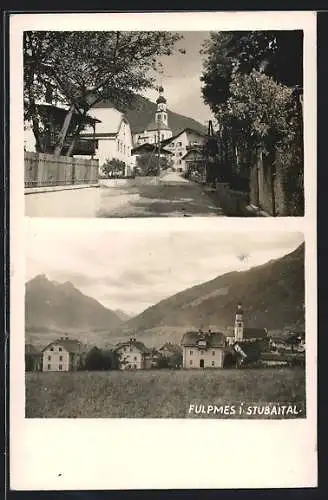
column 272, row 296
column 143, row 111
column 122, row 314
column 51, row 306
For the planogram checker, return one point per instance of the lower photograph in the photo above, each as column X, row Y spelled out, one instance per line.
column 181, row 324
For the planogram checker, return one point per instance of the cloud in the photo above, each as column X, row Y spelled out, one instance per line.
column 132, row 270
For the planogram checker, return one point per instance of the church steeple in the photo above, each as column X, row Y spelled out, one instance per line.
column 239, row 323
column 161, row 113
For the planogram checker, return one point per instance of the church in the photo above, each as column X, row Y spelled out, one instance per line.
column 158, row 129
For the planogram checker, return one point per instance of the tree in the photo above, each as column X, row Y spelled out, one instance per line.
column 147, row 164
column 113, row 167
column 98, row 359
column 84, row 68
column 278, row 54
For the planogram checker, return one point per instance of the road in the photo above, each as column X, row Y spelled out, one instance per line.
column 169, row 196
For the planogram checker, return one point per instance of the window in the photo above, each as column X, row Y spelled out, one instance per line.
column 49, row 358
column 134, row 366
column 60, row 349
column 60, row 358
column 51, row 349
column 162, row 137
column 180, row 154
column 118, row 145
column 213, row 363
column 179, row 143
column 135, row 358
column 190, row 362
column 49, row 367
column 60, row 367
column 213, row 353
column 191, row 353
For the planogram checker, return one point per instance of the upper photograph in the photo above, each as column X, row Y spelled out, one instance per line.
column 163, row 124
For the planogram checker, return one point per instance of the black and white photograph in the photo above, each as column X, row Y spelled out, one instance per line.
column 163, row 124
column 163, row 250
column 165, row 324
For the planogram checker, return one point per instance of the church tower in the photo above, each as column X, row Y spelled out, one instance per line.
column 161, row 111
column 239, row 323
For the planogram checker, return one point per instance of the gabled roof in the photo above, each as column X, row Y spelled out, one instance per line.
column 213, row 339
column 187, row 129
column 198, row 155
column 149, row 148
column 71, row 345
column 170, row 347
column 254, row 333
column 139, row 345
column 112, row 124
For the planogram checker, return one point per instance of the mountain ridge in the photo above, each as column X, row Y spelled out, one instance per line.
column 142, row 111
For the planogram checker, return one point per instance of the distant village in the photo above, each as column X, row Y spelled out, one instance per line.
column 246, row 347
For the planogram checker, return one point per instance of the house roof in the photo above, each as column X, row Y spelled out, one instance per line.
column 213, row 339
column 170, row 347
column 71, row 345
column 112, row 124
column 254, row 333
column 136, row 343
column 149, row 148
column 187, row 129
column 195, row 152
column 31, row 349
column 61, row 112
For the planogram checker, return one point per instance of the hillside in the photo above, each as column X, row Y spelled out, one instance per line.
column 272, row 296
column 60, row 307
column 143, row 112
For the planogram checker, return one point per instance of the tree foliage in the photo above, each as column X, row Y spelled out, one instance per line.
column 279, row 54
column 147, row 164
column 81, row 69
column 113, row 168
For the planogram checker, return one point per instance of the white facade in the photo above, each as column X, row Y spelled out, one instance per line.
column 114, row 137
column 151, row 136
column 179, row 145
column 131, row 358
column 55, row 359
column 193, row 357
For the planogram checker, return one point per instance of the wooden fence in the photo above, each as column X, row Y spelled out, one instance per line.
column 43, row 169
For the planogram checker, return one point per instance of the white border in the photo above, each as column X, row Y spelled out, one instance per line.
column 127, row 453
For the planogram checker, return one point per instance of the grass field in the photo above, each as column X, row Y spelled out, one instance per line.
column 160, row 394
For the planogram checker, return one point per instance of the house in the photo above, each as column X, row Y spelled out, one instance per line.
column 132, row 355
column 195, row 161
column 63, row 354
column 186, row 140
column 33, row 358
column 167, row 350
column 158, row 129
column 51, row 119
column 203, row 349
column 113, row 135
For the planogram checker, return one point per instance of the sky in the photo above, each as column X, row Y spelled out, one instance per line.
column 181, row 78
column 132, row 270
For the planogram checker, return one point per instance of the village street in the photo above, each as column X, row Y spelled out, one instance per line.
column 168, row 196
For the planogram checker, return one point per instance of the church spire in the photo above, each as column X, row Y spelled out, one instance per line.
column 239, row 323
column 161, row 111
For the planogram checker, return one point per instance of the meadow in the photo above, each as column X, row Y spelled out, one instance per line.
column 159, row 393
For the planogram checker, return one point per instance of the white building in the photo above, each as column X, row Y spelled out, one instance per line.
column 245, row 334
column 132, row 355
column 114, row 136
column 180, row 144
column 62, row 355
column 158, row 129
column 203, row 349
